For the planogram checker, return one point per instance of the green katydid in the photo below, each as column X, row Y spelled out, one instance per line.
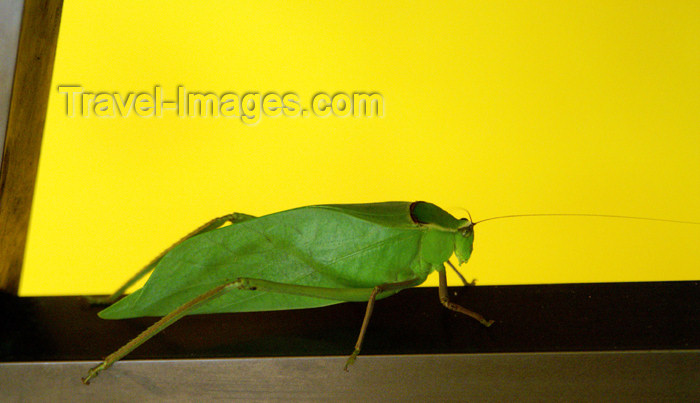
column 301, row 258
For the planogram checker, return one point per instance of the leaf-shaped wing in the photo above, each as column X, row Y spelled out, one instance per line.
column 312, row 246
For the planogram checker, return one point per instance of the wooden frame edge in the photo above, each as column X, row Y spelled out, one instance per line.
column 25, row 126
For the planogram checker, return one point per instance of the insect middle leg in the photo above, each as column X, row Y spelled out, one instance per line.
column 368, row 314
column 208, row 226
column 363, row 329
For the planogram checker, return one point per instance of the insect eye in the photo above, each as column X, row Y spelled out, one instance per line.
column 467, row 231
column 466, row 226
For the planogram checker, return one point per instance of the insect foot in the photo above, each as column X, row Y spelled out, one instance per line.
column 458, row 308
column 351, row 359
column 93, row 372
column 98, row 300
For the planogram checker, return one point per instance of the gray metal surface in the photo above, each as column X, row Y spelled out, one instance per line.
column 10, row 21
column 587, row 376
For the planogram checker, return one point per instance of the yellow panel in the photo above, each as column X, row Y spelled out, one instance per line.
column 494, row 107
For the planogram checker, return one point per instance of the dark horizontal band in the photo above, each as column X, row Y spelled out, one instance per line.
column 529, row 318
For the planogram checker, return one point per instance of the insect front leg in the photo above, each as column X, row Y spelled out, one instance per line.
column 461, row 277
column 209, row 226
column 445, row 300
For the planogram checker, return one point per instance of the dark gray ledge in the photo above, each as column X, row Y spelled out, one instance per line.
column 625, row 341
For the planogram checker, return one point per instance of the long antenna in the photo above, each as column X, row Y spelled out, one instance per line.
column 588, row 215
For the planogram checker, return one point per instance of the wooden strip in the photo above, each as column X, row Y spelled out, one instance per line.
column 11, row 11
column 563, row 342
column 30, row 94
column 531, row 377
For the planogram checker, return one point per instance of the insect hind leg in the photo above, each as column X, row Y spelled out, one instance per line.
column 210, row 225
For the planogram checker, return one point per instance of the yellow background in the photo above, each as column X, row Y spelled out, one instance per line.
column 495, row 107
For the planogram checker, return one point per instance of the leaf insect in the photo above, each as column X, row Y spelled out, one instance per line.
column 301, row 258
